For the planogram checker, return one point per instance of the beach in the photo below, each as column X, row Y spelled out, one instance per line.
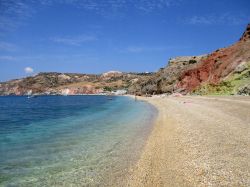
column 196, row 141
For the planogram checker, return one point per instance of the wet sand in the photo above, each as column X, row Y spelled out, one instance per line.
column 196, row 141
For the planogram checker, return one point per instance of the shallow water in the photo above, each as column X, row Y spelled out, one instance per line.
column 74, row 140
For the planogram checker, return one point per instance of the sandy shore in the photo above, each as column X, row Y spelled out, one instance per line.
column 197, row 141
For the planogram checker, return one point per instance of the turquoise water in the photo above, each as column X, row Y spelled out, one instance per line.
column 71, row 141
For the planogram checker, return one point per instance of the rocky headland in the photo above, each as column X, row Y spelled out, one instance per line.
column 225, row 71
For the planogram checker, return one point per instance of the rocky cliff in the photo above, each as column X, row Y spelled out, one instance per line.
column 224, row 67
column 166, row 79
column 224, row 71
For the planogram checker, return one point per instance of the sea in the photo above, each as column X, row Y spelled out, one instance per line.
column 71, row 140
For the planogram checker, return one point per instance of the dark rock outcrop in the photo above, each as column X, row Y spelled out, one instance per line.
column 244, row 90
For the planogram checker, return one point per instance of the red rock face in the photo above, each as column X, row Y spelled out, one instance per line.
column 217, row 65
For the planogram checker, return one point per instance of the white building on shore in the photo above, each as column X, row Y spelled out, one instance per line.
column 119, row 92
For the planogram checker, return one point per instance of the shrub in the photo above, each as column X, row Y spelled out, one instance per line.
column 106, row 88
column 192, row 61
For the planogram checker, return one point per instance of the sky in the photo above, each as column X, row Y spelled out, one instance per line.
column 95, row 36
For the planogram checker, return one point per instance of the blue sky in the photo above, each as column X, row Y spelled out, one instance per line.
column 95, row 36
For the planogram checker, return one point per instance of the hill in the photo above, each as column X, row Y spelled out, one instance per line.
column 71, row 83
column 224, row 71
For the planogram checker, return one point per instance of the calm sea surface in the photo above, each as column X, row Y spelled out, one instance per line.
column 71, row 141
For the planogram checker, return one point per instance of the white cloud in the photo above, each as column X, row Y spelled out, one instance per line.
column 114, row 5
column 140, row 49
column 226, row 18
column 77, row 40
column 7, row 58
column 54, row 57
column 28, row 70
column 14, row 13
column 135, row 49
column 5, row 46
column 200, row 20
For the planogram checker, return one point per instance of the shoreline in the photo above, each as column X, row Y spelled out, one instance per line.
column 196, row 141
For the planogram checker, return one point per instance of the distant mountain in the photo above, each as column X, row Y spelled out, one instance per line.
column 70, row 83
column 224, row 71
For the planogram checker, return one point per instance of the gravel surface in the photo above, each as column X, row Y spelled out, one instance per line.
column 197, row 141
